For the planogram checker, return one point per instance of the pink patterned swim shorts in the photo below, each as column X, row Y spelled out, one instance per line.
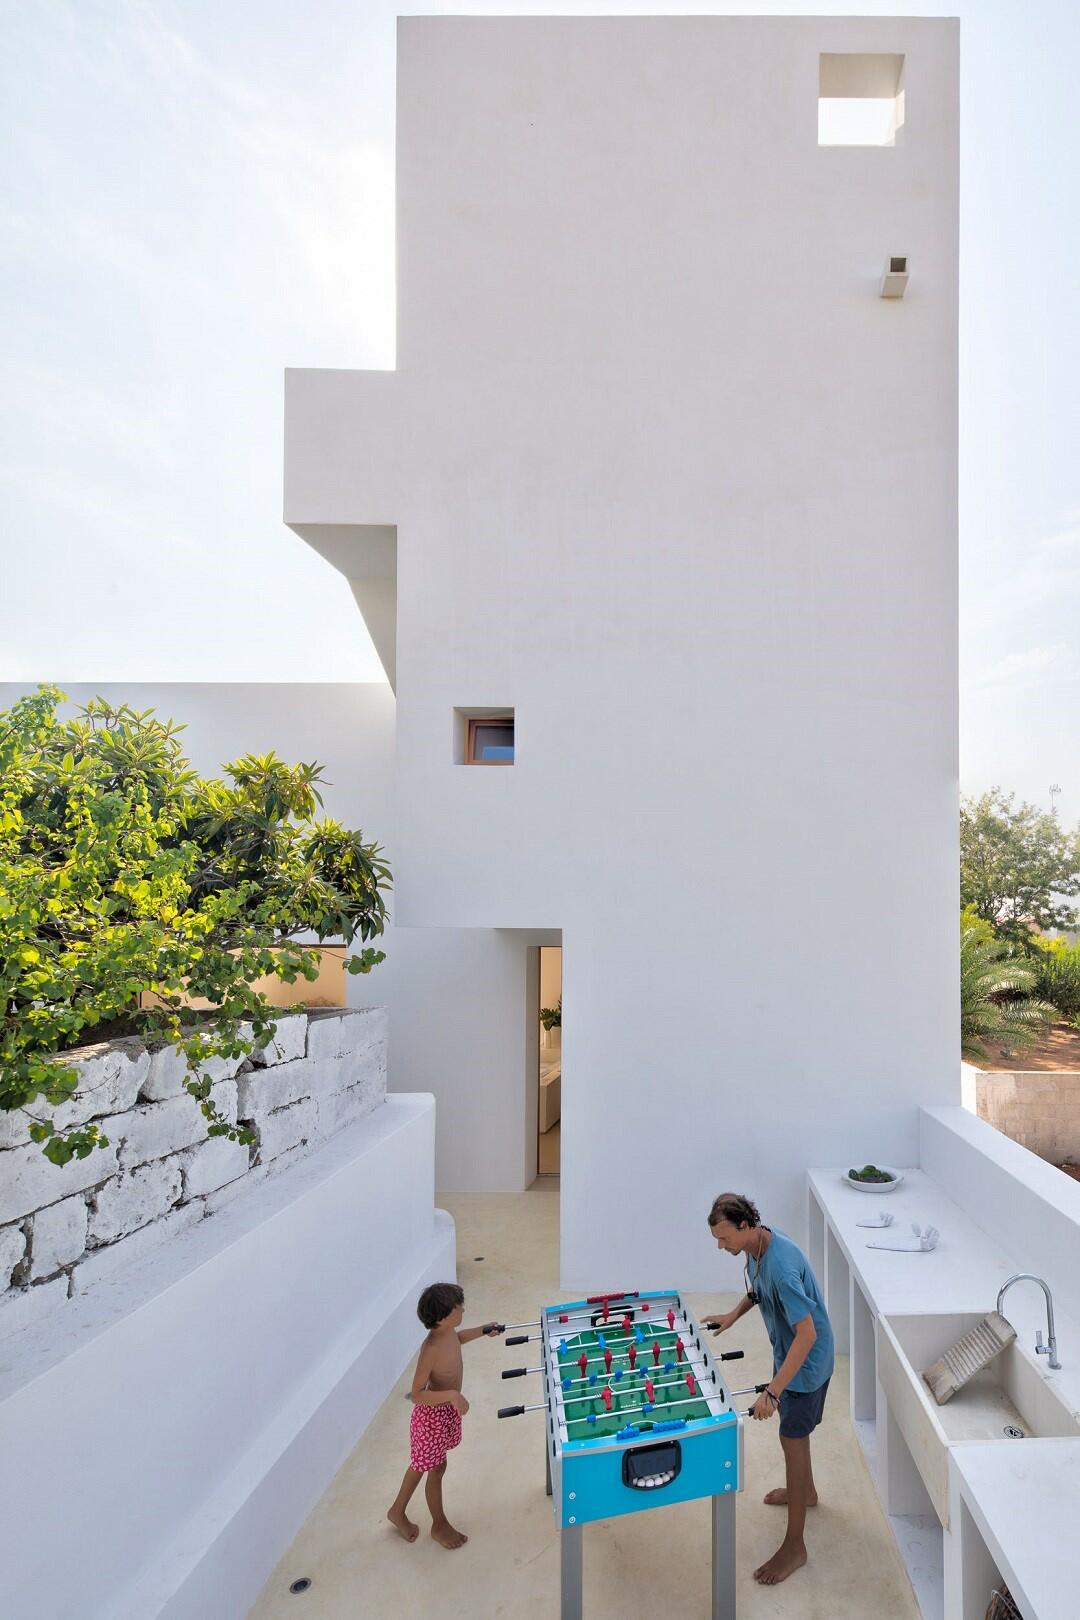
column 433, row 1431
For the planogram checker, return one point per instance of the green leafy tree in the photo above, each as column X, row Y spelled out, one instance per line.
column 995, row 1000
column 1018, row 865
column 123, row 873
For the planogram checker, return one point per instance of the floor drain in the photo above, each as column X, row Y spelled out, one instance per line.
column 301, row 1585
column 1013, row 1432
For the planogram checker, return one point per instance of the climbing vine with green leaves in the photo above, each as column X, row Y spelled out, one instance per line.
column 129, row 884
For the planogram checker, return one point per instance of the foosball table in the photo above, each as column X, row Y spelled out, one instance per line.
column 637, row 1415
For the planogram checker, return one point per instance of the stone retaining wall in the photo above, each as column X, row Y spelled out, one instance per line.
column 1038, row 1108
column 64, row 1228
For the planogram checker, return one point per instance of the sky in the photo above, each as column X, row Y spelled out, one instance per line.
column 200, row 194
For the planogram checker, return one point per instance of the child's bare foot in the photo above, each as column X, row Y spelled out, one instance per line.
column 789, row 1558
column 402, row 1525
column 779, row 1498
column 445, row 1534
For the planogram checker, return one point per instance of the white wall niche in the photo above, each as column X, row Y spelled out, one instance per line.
column 861, row 98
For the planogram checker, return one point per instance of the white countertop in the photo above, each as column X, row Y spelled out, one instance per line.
column 1024, row 1495
column 963, row 1273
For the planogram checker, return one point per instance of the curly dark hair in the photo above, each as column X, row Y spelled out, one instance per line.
column 736, row 1208
column 437, row 1301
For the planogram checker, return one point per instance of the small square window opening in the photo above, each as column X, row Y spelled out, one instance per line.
column 490, row 740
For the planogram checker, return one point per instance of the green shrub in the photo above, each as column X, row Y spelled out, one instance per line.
column 123, row 872
column 995, row 997
column 1056, row 969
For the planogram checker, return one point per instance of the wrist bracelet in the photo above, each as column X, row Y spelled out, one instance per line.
column 772, row 1396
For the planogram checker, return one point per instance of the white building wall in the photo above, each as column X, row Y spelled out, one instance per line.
column 670, row 479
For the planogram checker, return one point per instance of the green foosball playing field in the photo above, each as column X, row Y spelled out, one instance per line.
column 588, row 1417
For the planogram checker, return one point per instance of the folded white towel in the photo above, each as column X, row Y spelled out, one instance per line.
column 919, row 1242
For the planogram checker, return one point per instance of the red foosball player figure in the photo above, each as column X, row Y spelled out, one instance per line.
column 438, row 1408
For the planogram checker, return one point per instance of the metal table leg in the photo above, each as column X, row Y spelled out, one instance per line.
column 723, row 1556
column 570, row 1548
column 547, row 1463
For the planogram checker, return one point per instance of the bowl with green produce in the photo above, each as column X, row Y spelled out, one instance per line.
column 874, row 1178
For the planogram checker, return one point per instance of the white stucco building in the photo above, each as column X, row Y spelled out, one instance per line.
column 661, row 472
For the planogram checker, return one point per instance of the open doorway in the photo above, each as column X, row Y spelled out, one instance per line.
column 549, row 1089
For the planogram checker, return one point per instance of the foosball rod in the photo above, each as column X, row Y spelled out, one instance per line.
column 618, row 1334
column 650, row 1308
column 609, row 1382
column 594, row 1310
column 670, row 1383
column 558, row 1373
column 656, row 1328
column 664, row 1406
column 656, row 1406
column 613, row 1346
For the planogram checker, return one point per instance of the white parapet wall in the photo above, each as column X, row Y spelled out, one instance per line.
column 1029, row 1206
column 187, row 1410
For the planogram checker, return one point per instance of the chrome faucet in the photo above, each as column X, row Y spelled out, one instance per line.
column 1050, row 1347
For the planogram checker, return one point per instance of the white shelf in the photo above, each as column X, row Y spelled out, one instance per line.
column 921, row 1545
column 866, row 1434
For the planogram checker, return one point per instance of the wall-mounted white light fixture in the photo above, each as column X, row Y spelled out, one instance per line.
column 894, row 281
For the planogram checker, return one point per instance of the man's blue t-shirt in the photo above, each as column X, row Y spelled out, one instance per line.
column 786, row 1291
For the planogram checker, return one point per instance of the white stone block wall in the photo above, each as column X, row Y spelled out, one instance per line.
column 64, row 1228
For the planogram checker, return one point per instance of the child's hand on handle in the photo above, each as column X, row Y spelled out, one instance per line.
column 492, row 1330
column 720, row 1324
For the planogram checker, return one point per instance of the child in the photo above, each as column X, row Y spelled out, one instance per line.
column 780, row 1281
column 438, row 1408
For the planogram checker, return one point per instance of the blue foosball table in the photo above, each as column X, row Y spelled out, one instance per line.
column 637, row 1415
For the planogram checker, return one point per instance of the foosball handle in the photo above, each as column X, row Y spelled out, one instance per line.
column 510, row 1411
column 732, row 1355
column 515, row 1372
column 519, row 1338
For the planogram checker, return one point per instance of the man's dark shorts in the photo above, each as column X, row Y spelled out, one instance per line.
column 800, row 1413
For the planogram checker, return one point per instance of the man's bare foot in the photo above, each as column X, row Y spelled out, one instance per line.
column 778, row 1498
column 445, row 1534
column 782, row 1564
column 402, row 1525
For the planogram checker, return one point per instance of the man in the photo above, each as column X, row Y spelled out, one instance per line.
column 780, row 1282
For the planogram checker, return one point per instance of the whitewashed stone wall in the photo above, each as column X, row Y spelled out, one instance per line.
column 64, row 1228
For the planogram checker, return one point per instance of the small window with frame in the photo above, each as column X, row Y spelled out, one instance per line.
column 489, row 740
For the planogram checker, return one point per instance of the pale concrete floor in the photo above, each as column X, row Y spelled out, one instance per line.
column 637, row 1567
column 548, row 1151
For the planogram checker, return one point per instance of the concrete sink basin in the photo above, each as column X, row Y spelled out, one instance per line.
column 1009, row 1401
